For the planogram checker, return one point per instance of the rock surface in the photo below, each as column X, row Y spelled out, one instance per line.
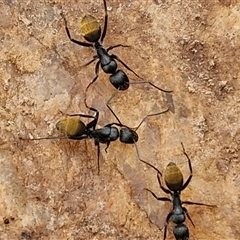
column 50, row 189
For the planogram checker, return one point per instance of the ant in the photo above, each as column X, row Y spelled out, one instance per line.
column 91, row 32
column 174, row 181
column 73, row 128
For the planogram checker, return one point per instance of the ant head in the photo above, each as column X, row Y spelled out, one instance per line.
column 128, row 135
column 71, row 127
column 90, row 28
column 173, row 177
column 120, row 80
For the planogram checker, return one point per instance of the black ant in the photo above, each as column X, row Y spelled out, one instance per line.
column 73, row 128
column 91, row 31
column 174, row 181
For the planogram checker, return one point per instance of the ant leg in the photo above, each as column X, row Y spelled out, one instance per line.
column 56, row 137
column 190, row 168
column 166, row 224
column 88, row 63
column 80, row 115
column 198, row 204
column 153, row 85
column 125, row 65
column 167, row 191
column 93, row 123
column 188, row 216
column 159, row 181
column 105, row 21
column 98, row 154
column 84, row 44
column 115, row 46
column 108, row 143
column 105, row 28
column 135, row 128
column 42, row 138
column 164, row 199
column 95, row 78
column 64, row 137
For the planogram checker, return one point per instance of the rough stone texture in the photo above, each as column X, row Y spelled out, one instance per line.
column 50, row 189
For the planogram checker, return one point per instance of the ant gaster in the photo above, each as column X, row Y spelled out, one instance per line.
column 73, row 128
column 91, row 32
column 174, row 181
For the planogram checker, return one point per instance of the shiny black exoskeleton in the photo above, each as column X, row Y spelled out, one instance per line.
column 174, row 181
column 108, row 133
column 91, row 31
column 74, row 128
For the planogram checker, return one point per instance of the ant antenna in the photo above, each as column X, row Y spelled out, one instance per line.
column 153, row 85
column 150, row 115
column 149, row 164
column 135, row 129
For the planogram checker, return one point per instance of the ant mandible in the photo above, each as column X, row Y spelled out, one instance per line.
column 91, row 32
column 73, row 128
column 174, row 181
